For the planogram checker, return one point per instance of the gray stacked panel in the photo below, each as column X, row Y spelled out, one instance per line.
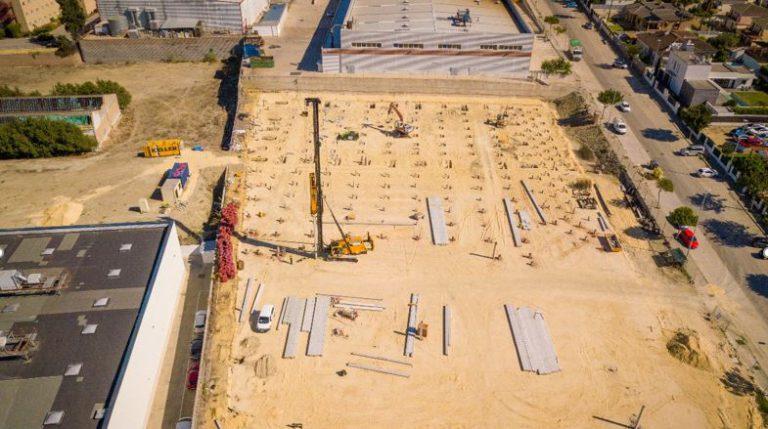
column 319, row 323
column 510, row 209
column 437, row 221
column 309, row 311
column 535, row 350
column 293, row 312
column 535, row 204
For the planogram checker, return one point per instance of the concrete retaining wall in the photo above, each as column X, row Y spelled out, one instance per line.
column 375, row 84
column 107, row 50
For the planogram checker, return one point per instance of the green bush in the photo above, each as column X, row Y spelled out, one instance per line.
column 210, row 57
column 558, row 66
column 95, row 88
column 7, row 91
column 751, row 110
column 66, row 48
column 42, row 138
column 13, row 30
column 683, row 216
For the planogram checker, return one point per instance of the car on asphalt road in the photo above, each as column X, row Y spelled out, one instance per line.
column 706, row 172
column 692, row 150
column 193, row 372
column 619, row 127
column 624, row 106
column 687, row 236
column 195, row 348
column 264, row 322
column 200, row 322
column 184, row 423
column 619, row 64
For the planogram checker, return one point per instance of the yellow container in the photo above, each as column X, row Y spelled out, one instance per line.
column 156, row 148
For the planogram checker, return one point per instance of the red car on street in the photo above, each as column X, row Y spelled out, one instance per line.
column 192, row 374
column 687, row 237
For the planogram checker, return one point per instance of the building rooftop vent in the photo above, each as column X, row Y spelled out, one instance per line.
column 11, row 308
column 101, row 302
column 73, row 369
column 54, row 418
column 34, row 278
column 126, row 247
column 89, row 329
column 114, row 272
column 48, row 251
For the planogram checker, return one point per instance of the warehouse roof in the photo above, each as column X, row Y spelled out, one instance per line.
column 439, row 16
column 80, row 343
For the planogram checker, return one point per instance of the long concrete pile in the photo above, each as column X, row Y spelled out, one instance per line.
column 535, row 350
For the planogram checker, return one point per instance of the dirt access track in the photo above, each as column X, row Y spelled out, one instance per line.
column 610, row 314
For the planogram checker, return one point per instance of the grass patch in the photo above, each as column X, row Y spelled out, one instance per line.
column 752, row 98
column 762, row 403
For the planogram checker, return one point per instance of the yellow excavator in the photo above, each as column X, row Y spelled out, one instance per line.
column 347, row 245
column 402, row 129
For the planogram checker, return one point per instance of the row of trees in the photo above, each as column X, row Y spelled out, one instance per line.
column 41, row 138
column 86, row 88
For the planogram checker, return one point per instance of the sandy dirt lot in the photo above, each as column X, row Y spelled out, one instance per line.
column 610, row 314
column 169, row 101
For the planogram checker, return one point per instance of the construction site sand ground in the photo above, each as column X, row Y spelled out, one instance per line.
column 610, row 315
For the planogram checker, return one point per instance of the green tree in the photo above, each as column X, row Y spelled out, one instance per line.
column 697, row 117
column 724, row 42
column 633, row 50
column 40, row 137
column 95, row 88
column 551, row 20
column 557, row 66
column 609, row 97
column 683, row 216
column 754, row 173
column 665, row 185
column 72, row 16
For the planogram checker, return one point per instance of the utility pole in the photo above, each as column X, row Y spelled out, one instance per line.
column 318, row 194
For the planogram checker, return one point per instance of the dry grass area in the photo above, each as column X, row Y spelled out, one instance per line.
column 719, row 133
column 169, row 101
column 610, row 315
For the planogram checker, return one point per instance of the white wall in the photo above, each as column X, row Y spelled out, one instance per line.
column 132, row 398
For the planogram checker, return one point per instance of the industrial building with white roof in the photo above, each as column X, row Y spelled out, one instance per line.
column 86, row 314
column 457, row 37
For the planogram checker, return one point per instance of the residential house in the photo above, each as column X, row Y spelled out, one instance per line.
column 695, row 79
column 724, row 6
column 731, row 76
column 757, row 31
column 656, row 45
column 742, row 16
column 653, row 15
column 755, row 56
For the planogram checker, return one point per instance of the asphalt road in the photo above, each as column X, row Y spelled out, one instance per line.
column 723, row 220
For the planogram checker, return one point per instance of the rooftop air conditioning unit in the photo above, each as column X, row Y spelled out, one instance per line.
column 154, row 25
